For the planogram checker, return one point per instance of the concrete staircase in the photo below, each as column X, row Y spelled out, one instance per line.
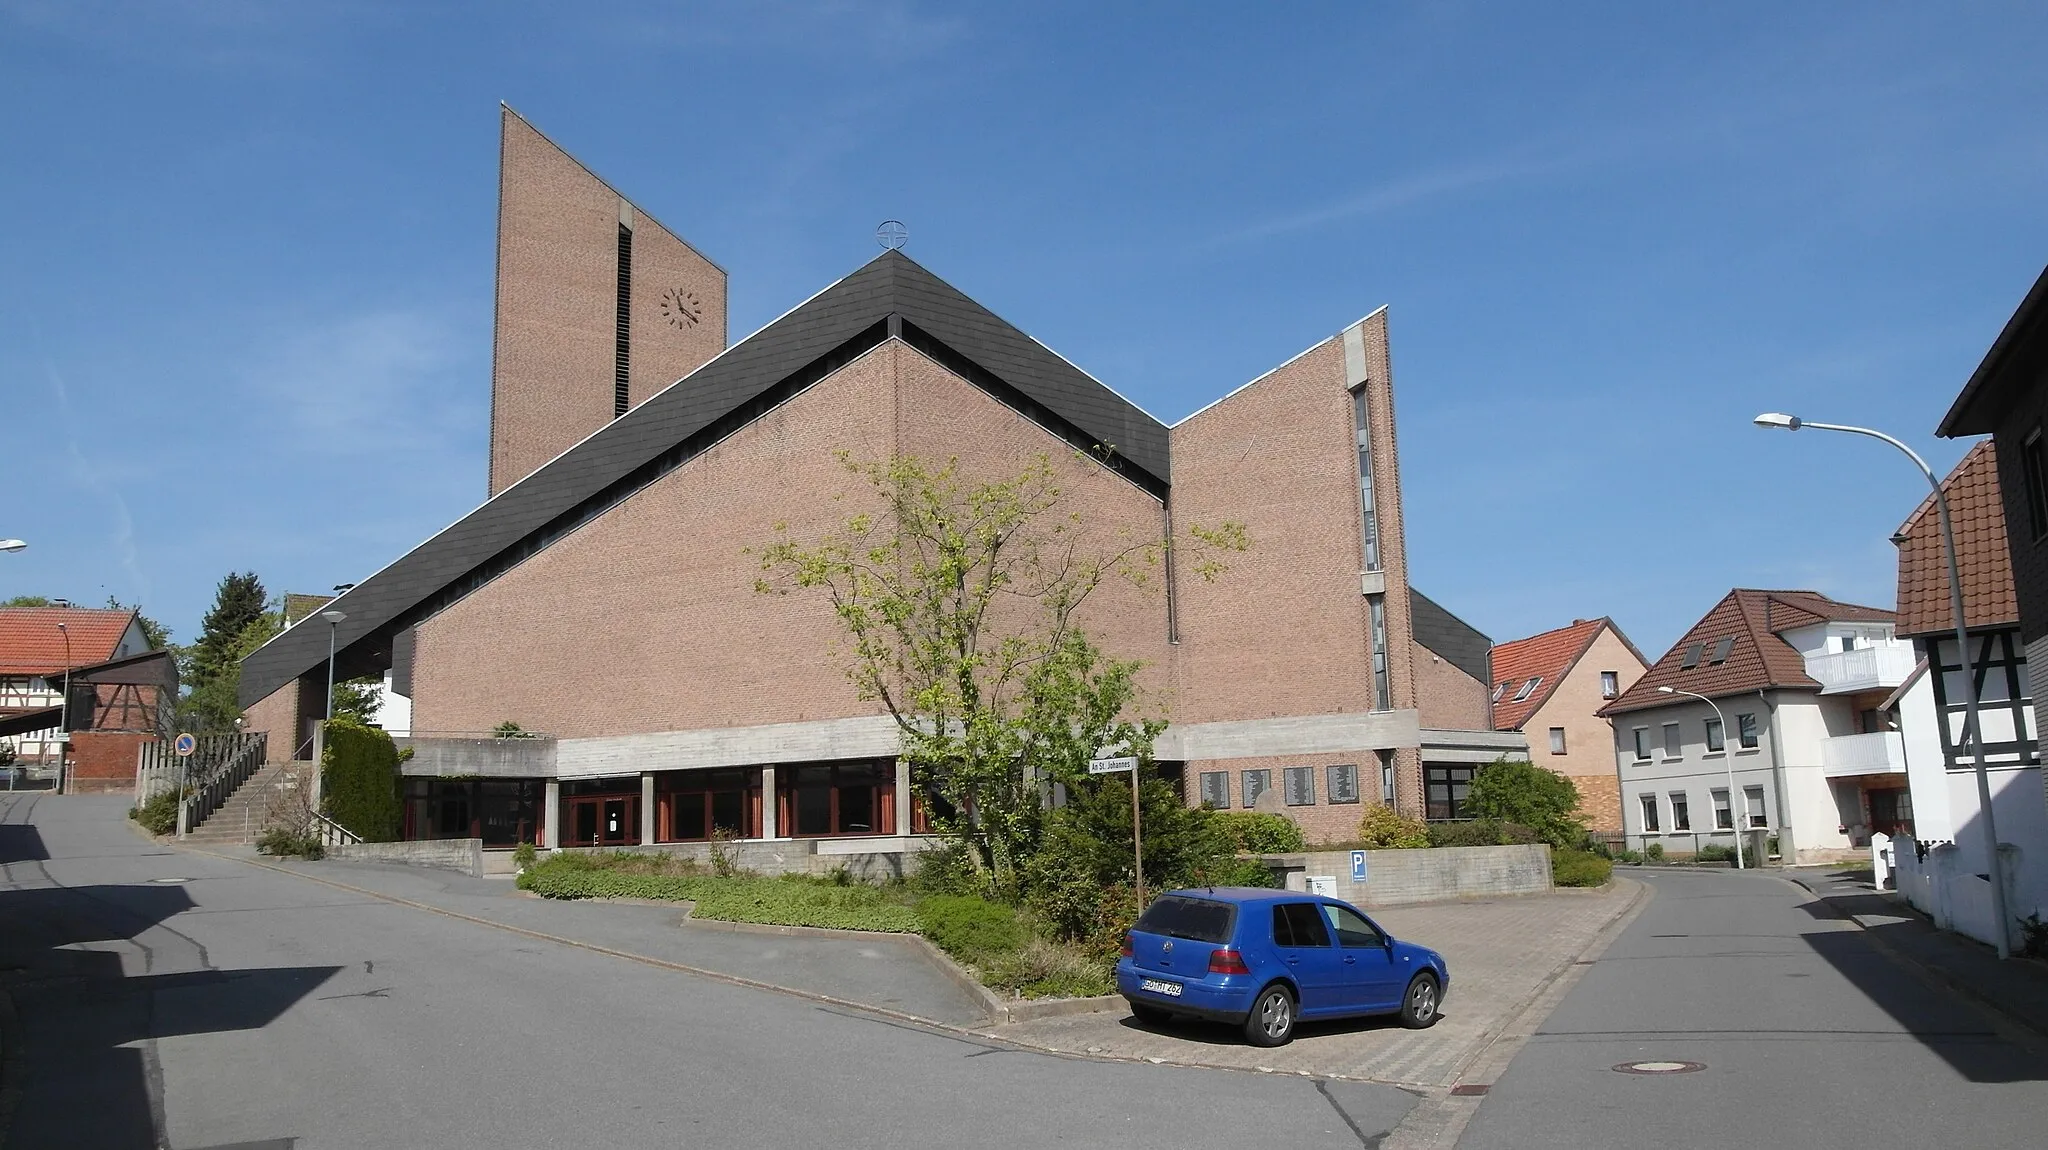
column 247, row 811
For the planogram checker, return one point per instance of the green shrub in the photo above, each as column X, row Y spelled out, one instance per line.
column 1384, row 828
column 1625, row 855
column 1654, row 852
column 1043, row 968
column 159, row 814
column 1236, row 872
column 1521, row 792
column 968, row 928
column 1085, row 850
column 359, row 781
column 524, row 855
column 1573, row 867
column 1259, row 833
column 285, row 843
column 1481, row 833
column 793, row 900
column 944, row 870
column 1716, row 853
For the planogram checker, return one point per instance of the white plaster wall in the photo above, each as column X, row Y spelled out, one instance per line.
column 1926, row 774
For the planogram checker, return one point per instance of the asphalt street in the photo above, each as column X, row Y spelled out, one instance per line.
column 160, row 998
column 1805, row 1034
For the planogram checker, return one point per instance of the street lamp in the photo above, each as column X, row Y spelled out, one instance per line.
column 1727, row 760
column 334, row 619
column 11, row 545
column 64, row 707
column 1972, row 734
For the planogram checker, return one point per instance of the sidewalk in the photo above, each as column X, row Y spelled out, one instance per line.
column 1503, row 953
column 2016, row 988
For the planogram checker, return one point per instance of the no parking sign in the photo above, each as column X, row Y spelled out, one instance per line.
column 184, row 744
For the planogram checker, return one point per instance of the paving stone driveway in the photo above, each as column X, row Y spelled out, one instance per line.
column 1501, row 953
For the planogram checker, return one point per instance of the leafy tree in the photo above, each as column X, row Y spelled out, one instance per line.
column 27, row 601
column 238, row 602
column 1535, row 797
column 210, row 704
column 358, row 699
column 962, row 604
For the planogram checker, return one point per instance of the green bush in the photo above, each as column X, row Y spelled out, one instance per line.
column 1573, row 867
column 1085, row 850
column 1521, row 792
column 1259, row 833
column 1481, row 833
column 524, row 855
column 793, row 900
column 970, row 929
column 1654, row 852
column 1716, row 853
column 1237, row 872
column 1043, row 968
column 1384, row 828
column 359, row 781
column 158, row 815
column 285, row 843
column 944, row 870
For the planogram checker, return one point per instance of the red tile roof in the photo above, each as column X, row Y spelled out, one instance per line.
column 1759, row 658
column 1547, row 658
column 1977, row 512
column 31, row 644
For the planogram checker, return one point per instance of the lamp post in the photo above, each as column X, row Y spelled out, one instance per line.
column 1728, row 761
column 1972, row 733
column 334, row 619
column 64, row 709
column 11, row 545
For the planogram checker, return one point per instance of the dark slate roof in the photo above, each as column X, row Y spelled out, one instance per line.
column 1457, row 641
column 891, row 294
column 2014, row 365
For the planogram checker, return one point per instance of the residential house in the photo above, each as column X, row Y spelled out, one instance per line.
column 1551, row 687
column 37, row 645
column 604, row 596
column 1795, row 677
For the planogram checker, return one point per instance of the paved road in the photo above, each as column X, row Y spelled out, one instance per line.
column 1809, row 1035
column 217, row 1003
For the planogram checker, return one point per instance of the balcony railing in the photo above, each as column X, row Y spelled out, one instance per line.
column 1864, row 669
column 1878, row 753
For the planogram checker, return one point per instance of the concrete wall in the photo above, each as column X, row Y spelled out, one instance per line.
column 1397, row 877
column 532, row 758
column 465, row 855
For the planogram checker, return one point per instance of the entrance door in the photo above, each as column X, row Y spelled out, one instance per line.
column 1891, row 812
column 585, row 824
column 614, row 829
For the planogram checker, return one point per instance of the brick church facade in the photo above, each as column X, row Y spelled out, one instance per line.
column 603, row 596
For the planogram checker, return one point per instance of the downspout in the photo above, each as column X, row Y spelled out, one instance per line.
column 1787, row 848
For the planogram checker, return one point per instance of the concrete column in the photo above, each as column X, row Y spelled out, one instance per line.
column 902, row 796
column 646, row 808
column 768, row 828
column 551, row 814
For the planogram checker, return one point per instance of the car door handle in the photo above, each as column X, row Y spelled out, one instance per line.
column 1294, row 962
column 1349, row 961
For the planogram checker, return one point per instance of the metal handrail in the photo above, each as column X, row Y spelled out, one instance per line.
column 211, row 791
column 333, row 834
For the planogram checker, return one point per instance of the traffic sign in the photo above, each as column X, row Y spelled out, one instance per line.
column 185, row 744
column 1357, row 866
column 1111, row 766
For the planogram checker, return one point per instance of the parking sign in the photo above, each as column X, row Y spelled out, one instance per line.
column 1357, row 866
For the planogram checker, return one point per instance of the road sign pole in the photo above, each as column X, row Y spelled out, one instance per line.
column 1137, row 842
column 183, row 745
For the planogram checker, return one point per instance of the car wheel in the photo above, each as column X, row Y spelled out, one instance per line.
column 1419, row 1008
column 1150, row 1015
column 1271, row 1022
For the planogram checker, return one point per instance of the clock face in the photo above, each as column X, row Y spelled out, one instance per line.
column 681, row 308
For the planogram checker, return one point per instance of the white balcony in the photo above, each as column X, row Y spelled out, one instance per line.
column 1879, row 753
column 1864, row 669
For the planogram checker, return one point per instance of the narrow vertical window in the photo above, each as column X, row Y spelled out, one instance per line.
column 1557, row 740
column 1387, row 777
column 2035, row 477
column 622, row 349
column 1650, row 814
column 1372, row 521
column 1382, row 691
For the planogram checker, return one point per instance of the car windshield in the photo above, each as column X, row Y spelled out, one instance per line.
column 1190, row 918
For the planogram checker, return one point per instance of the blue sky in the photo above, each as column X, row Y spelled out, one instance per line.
column 245, row 276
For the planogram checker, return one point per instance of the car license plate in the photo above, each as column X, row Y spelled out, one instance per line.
column 1169, row 989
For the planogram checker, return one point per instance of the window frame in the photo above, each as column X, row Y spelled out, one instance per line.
column 1717, row 738
column 1610, row 684
column 2034, row 482
column 1760, row 818
column 1681, row 812
column 1646, row 806
column 1528, row 689
column 1444, row 775
column 1674, row 742
column 1643, row 752
column 1724, row 814
column 1557, row 741
column 1745, row 730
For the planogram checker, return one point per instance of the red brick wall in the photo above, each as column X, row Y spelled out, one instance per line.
column 103, row 761
column 1324, row 822
column 277, row 715
column 557, row 305
column 1446, row 697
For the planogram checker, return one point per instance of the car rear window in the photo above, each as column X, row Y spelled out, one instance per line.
column 1191, row 918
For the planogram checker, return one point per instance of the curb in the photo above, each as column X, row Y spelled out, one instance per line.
column 1439, row 1120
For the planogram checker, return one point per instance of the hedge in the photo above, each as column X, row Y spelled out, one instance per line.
column 359, row 783
column 792, row 900
column 1259, row 833
column 1571, row 867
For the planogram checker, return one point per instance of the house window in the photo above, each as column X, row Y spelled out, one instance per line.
column 1723, row 818
column 1499, row 690
column 1362, row 418
column 1721, row 650
column 1610, row 684
column 1528, row 688
column 1692, row 656
column 1557, row 740
column 1753, row 799
column 1681, row 813
column 1674, row 747
column 1745, row 731
column 1343, row 780
column 1642, row 744
column 1382, row 688
column 2035, row 477
column 1444, row 791
column 1715, row 740
column 1848, row 642
column 1650, row 826
column 839, row 799
column 1256, row 783
column 1216, row 789
column 1387, row 777
column 1298, row 786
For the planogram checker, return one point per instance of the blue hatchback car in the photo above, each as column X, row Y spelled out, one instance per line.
column 1263, row 959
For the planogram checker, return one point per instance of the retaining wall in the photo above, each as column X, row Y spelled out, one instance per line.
column 1435, row 875
column 465, row 855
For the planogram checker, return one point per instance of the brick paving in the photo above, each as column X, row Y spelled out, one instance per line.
column 1502, row 953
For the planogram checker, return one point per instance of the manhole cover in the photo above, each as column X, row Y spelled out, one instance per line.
column 1660, row 1067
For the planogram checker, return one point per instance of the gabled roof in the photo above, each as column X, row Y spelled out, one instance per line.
column 31, row 644
column 1458, row 642
column 1757, row 657
column 890, row 295
column 2009, row 370
column 1547, row 658
column 1977, row 513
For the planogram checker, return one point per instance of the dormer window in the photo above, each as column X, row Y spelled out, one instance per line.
column 1499, row 690
column 1721, row 650
column 1528, row 688
column 1692, row 656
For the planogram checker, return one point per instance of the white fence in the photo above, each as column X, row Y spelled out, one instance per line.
column 1955, row 898
column 1864, row 669
column 1879, row 752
